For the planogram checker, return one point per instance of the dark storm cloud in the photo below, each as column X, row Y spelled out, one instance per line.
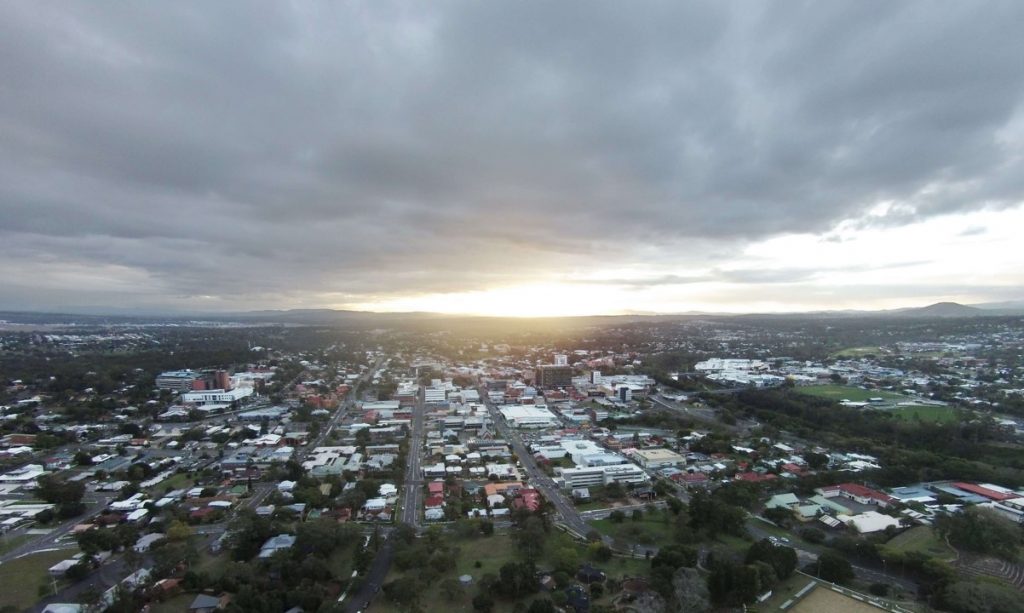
column 275, row 151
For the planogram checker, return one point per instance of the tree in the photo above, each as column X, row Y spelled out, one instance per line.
column 778, row 515
column 832, row 566
column 483, row 602
column 600, row 552
column 637, row 515
column 690, row 590
column 782, row 560
column 541, row 605
column 55, row 490
column 452, row 589
column 404, row 590
column 617, row 516
column 982, row 531
column 517, row 579
column 83, row 458
column 816, row 461
column 178, row 531
column 530, row 538
column 978, row 597
column 740, row 493
column 565, row 559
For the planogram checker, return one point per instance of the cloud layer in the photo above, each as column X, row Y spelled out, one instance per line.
column 235, row 155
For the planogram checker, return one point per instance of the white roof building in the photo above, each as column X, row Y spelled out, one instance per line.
column 526, row 416
column 868, row 522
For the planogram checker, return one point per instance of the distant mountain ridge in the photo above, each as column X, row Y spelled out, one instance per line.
column 939, row 310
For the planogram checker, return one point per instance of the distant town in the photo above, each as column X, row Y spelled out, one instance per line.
column 672, row 464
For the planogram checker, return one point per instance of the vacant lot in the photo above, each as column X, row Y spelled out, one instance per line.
column 846, row 392
column 921, row 539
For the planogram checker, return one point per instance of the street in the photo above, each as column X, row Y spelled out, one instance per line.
column 413, row 487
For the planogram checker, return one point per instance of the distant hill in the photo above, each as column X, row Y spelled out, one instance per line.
column 370, row 319
column 941, row 309
column 1009, row 307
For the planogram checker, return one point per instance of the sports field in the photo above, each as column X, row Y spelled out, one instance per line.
column 824, row 599
column 846, row 392
column 926, row 413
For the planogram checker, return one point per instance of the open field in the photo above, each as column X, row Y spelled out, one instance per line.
column 492, row 553
column 651, row 530
column 923, row 540
column 21, row 578
column 926, row 413
column 174, row 482
column 846, row 392
column 10, row 542
column 823, row 599
column 857, row 352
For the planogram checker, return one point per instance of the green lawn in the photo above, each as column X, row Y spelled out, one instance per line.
column 926, row 413
column 846, row 392
column 213, row 565
column 737, row 544
column 857, row 352
column 10, row 542
column 175, row 482
column 492, row 553
column 651, row 530
column 21, row 578
column 921, row 539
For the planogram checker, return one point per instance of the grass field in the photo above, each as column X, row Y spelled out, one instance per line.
column 823, row 599
column 926, row 413
column 492, row 553
column 846, row 392
column 175, row 482
column 857, row 352
column 921, row 539
column 10, row 542
column 21, row 578
column 651, row 530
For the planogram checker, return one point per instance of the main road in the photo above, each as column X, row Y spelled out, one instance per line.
column 538, row 478
column 95, row 503
column 413, row 487
column 343, row 409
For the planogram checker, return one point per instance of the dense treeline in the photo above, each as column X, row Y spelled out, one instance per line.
column 970, row 448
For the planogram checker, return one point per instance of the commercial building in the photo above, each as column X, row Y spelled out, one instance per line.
column 176, row 380
column 527, row 416
column 435, row 395
column 550, row 376
column 601, row 475
column 216, row 396
column 658, row 458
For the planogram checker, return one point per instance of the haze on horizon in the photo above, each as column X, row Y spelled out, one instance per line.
column 510, row 158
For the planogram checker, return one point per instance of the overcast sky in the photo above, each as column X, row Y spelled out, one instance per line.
column 510, row 158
